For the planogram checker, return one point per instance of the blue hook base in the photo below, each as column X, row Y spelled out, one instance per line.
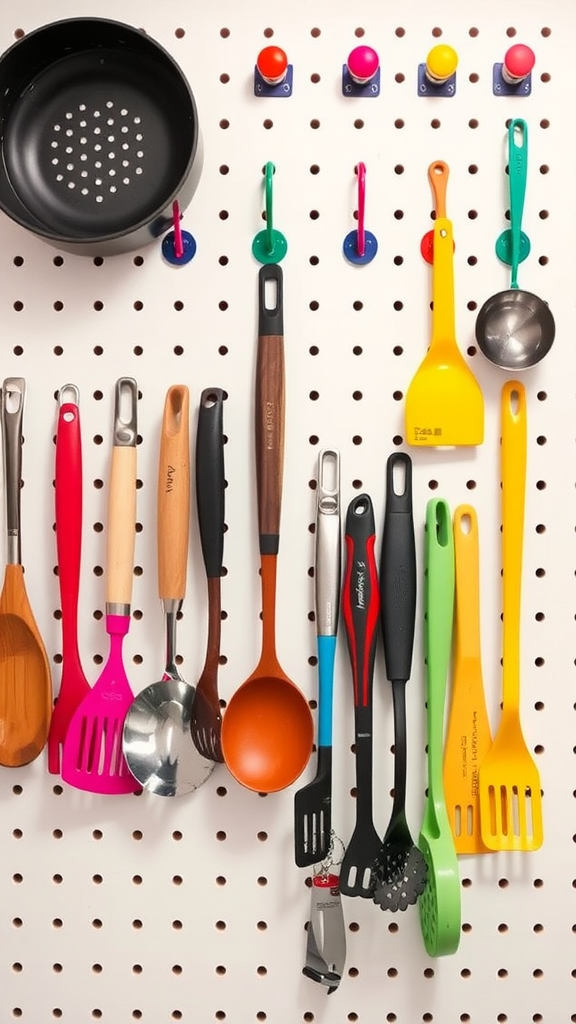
column 428, row 88
column 350, row 248
column 500, row 87
column 264, row 88
column 261, row 250
column 504, row 247
column 169, row 249
column 350, row 87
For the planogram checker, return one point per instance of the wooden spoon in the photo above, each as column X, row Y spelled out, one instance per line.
column 267, row 729
column 25, row 682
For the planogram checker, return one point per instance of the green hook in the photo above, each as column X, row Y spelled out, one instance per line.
column 269, row 246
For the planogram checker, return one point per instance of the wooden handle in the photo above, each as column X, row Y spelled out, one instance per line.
column 174, row 494
column 121, row 525
column 270, row 402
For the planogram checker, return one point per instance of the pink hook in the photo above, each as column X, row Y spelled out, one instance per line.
column 361, row 233
column 178, row 243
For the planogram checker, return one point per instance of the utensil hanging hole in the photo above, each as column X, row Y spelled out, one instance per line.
column 443, row 233
column 518, row 135
column 329, row 475
column 442, row 524
column 12, row 399
column 361, row 507
column 399, row 478
column 465, row 523
column 271, row 294
column 514, row 401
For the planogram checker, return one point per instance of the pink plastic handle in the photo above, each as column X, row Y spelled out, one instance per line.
column 68, row 501
column 361, row 234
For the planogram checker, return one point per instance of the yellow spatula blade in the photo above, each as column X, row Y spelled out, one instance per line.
column 444, row 403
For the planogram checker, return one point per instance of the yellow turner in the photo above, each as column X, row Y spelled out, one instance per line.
column 468, row 736
column 510, row 794
column 444, row 403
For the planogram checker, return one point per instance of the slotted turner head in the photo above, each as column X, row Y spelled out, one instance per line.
column 444, row 403
column 92, row 757
column 510, row 795
column 468, row 735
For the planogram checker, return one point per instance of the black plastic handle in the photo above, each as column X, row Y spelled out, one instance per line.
column 398, row 569
column 210, row 481
column 270, row 287
column 360, row 597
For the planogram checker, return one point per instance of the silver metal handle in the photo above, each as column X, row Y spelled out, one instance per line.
column 328, row 543
column 125, row 413
column 13, row 393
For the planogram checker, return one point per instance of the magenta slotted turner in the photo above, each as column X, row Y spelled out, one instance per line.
column 92, row 756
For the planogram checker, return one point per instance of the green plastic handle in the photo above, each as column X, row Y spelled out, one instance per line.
column 439, row 612
column 517, row 174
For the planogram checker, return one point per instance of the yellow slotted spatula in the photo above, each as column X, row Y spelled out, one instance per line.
column 444, row 402
column 468, row 736
column 510, row 794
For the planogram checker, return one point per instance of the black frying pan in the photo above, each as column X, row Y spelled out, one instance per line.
column 99, row 135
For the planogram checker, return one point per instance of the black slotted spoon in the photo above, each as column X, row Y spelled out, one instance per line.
column 399, row 875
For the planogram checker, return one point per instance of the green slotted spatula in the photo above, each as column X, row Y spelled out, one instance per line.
column 439, row 904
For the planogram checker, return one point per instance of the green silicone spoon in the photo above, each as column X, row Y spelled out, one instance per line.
column 439, row 904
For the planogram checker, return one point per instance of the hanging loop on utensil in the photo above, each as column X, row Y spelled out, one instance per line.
column 178, row 247
column 360, row 246
column 270, row 245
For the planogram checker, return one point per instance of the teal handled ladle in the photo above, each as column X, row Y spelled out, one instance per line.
column 269, row 245
column 515, row 328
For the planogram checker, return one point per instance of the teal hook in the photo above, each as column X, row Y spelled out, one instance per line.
column 269, row 245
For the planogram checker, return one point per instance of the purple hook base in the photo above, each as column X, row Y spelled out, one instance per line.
column 350, row 87
column 350, row 248
column 264, row 88
column 169, row 249
column 500, row 87
column 428, row 88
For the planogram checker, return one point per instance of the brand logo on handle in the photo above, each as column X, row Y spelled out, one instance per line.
column 269, row 425
column 360, row 584
column 170, row 479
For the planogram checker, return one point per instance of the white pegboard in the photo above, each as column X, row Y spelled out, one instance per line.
column 138, row 908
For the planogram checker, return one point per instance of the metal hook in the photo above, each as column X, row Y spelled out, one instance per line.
column 270, row 245
column 360, row 246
